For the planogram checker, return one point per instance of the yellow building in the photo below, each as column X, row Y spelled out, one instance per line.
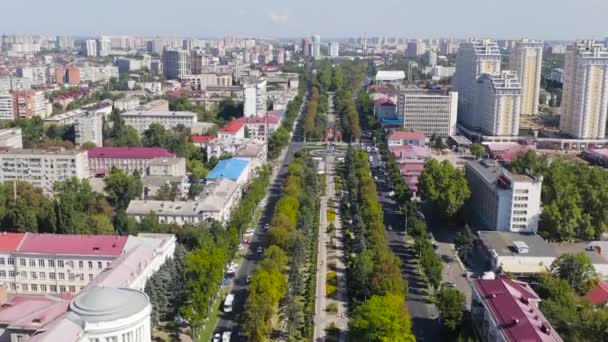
column 499, row 99
column 526, row 61
column 585, row 93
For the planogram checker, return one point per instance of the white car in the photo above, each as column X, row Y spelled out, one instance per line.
column 217, row 337
column 226, row 336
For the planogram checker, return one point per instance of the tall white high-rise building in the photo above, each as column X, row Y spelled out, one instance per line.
column 104, row 45
column 585, row 93
column 316, row 46
column 498, row 100
column 254, row 98
column 526, row 60
column 334, row 49
column 88, row 128
column 90, row 48
column 176, row 63
column 475, row 57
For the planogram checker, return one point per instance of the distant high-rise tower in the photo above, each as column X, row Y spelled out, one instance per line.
column 364, row 42
column 526, row 60
column 334, row 49
column 176, row 63
column 475, row 57
column 585, row 93
column 415, row 48
column 316, row 46
column 104, row 45
column 306, row 47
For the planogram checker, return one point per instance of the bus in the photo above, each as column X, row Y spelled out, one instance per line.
column 228, row 303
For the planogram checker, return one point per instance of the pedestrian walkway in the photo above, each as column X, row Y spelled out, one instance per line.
column 330, row 258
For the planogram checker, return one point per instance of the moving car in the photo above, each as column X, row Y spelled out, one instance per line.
column 260, row 250
column 217, row 337
column 226, row 336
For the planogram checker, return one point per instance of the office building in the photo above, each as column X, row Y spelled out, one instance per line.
column 88, row 128
column 89, row 48
column 507, row 310
column 37, row 74
column 254, row 98
column 141, row 120
column 499, row 100
column 502, row 200
column 94, row 73
column 176, row 63
column 415, row 49
column 29, row 103
column 431, row 58
column 334, row 49
column 428, row 111
column 475, row 57
column 42, row 168
column 316, row 46
column 101, row 160
column 11, row 138
column 215, row 203
column 585, row 91
column 526, row 60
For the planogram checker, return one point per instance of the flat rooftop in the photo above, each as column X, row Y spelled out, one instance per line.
column 491, row 171
column 502, row 244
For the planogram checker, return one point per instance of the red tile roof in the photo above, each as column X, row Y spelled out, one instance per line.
column 32, row 311
column 404, row 135
column 201, row 138
column 519, row 319
column 107, row 245
column 129, row 152
column 10, row 241
column 598, row 295
column 233, row 126
column 272, row 118
column 384, row 102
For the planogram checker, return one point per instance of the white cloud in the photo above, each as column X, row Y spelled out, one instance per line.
column 279, row 18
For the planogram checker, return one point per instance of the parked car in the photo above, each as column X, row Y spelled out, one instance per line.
column 260, row 250
column 217, row 337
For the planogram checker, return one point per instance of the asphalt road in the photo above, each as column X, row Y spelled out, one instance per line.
column 425, row 325
column 229, row 321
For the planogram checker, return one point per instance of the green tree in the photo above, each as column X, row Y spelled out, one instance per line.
column 451, row 304
column 577, row 270
column 88, row 145
column 464, row 243
column 122, row 188
column 382, row 318
column 478, row 150
column 444, row 187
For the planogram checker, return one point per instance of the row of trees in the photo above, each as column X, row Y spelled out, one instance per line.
column 374, row 271
column 348, row 77
column 291, row 237
column 574, row 197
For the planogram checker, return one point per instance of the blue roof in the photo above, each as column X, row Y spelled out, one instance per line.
column 231, row 168
column 392, row 120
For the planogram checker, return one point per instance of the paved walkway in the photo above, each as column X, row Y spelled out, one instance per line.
column 326, row 254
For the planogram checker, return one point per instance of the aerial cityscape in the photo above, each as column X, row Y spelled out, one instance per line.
column 265, row 172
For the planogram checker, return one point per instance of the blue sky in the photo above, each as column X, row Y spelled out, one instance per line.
column 543, row 19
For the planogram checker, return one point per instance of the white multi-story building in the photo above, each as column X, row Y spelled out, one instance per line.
column 254, row 97
column 176, row 63
column 90, row 73
column 11, row 137
column 316, row 46
column 585, row 93
column 431, row 58
column 474, row 58
column 37, row 74
column 141, row 120
column 431, row 112
column 502, row 200
column 499, row 100
column 415, row 48
column 526, row 60
column 127, row 103
column 216, row 203
column 90, row 48
column 334, row 49
column 130, row 159
column 42, row 168
column 104, row 45
column 6, row 106
column 88, row 128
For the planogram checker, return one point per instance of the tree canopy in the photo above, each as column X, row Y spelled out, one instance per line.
column 382, row 318
column 444, row 187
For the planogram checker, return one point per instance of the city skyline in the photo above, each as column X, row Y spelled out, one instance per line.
column 542, row 19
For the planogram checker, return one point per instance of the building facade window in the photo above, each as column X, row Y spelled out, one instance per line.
column 40, row 262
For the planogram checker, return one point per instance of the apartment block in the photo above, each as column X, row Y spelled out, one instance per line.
column 432, row 112
column 42, row 168
column 11, row 138
column 6, row 106
column 475, row 57
column 93, row 73
column 141, row 120
column 585, row 91
column 130, row 159
column 502, row 200
column 254, row 97
column 176, row 63
column 27, row 104
column 89, row 128
column 526, row 60
column 499, row 101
